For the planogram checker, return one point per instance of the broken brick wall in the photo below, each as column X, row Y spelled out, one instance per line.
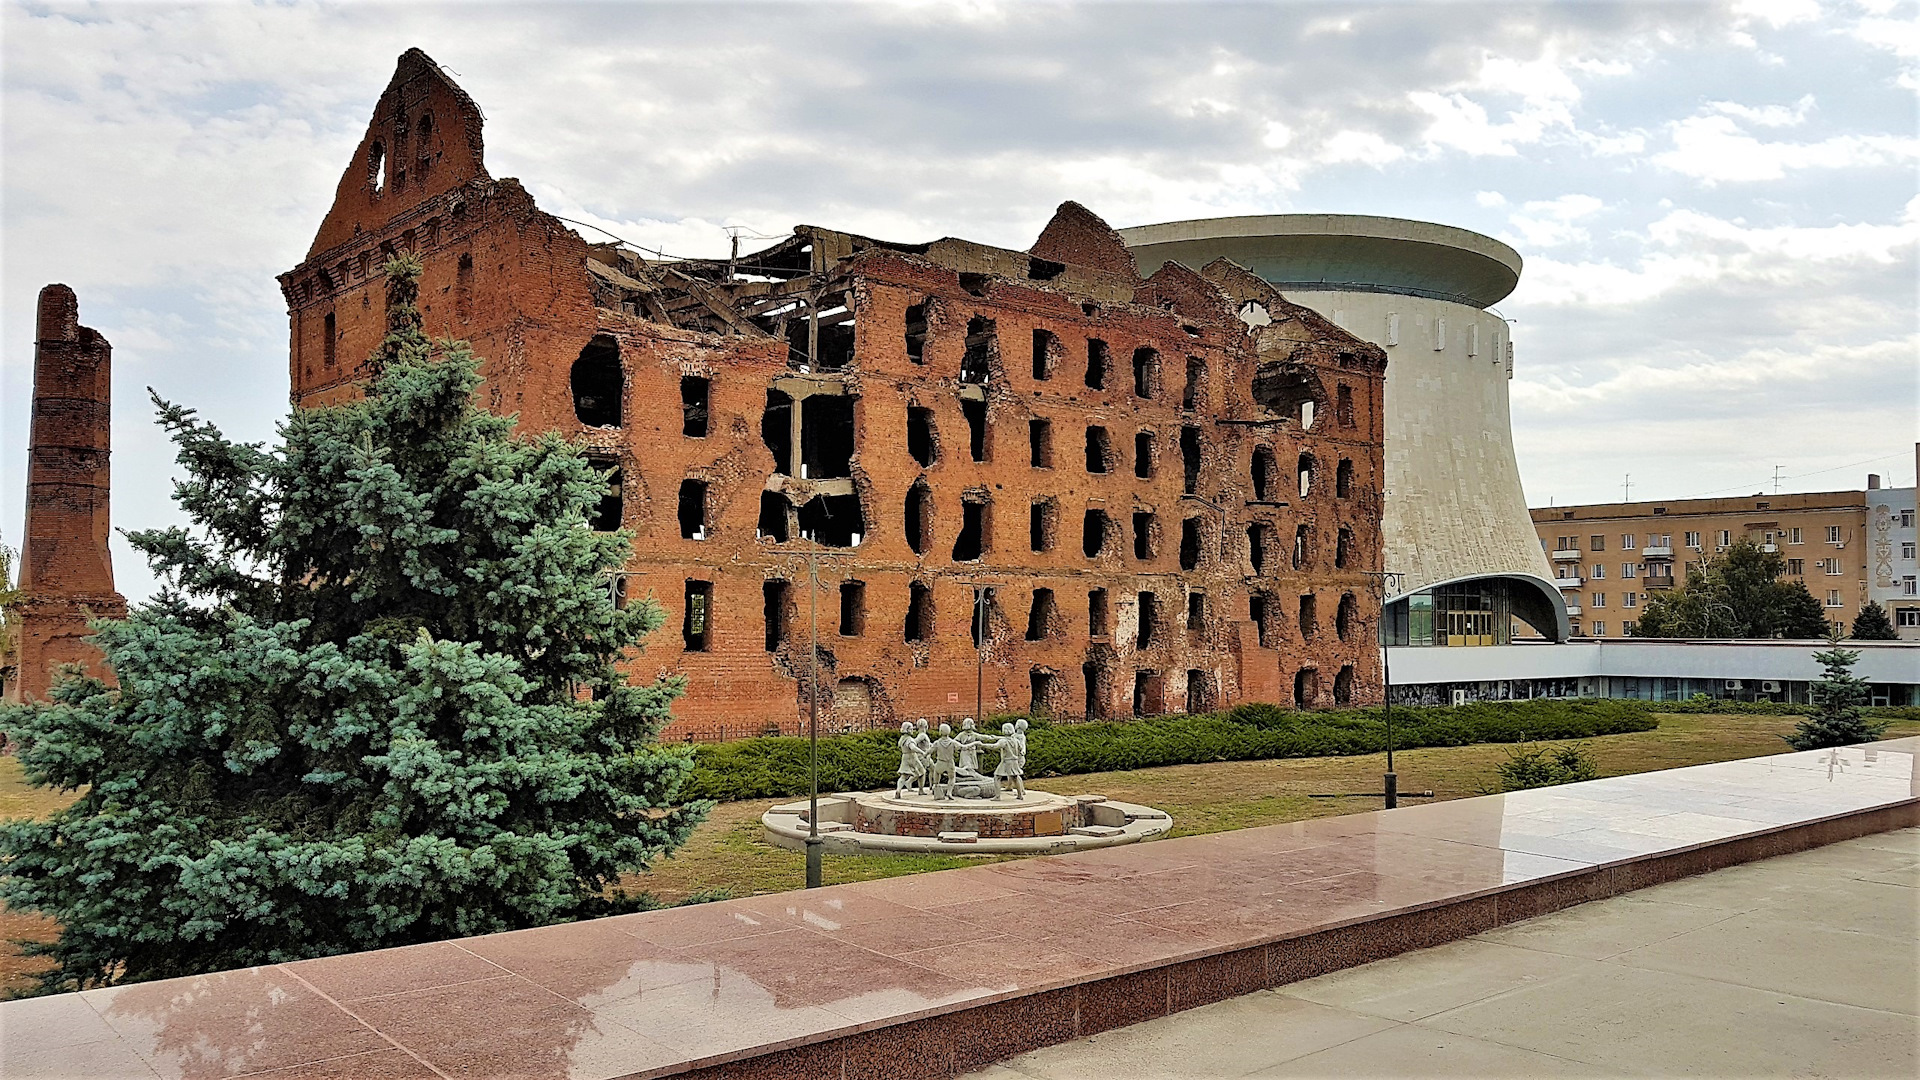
column 932, row 344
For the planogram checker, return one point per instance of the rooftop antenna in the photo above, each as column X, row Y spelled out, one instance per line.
column 1626, row 488
column 1776, row 478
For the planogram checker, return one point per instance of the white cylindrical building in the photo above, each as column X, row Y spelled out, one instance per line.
column 1455, row 519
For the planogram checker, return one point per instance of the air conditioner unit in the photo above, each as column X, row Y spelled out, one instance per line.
column 1769, row 687
column 1459, row 697
column 1736, row 684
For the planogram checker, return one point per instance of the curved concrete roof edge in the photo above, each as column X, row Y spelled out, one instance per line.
column 1383, row 228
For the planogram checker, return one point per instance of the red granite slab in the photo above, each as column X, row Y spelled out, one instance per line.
column 853, row 980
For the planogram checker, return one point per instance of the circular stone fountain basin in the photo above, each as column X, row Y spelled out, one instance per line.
column 1041, row 823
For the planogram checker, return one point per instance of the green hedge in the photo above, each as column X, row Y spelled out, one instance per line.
column 1700, row 703
column 776, row 767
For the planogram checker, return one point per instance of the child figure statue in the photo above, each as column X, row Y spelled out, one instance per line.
column 924, row 746
column 910, row 765
column 1013, row 766
column 969, row 741
column 944, row 748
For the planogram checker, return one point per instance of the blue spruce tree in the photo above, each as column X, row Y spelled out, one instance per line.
column 352, row 719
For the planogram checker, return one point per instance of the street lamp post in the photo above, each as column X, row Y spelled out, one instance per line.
column 1389, row 581
column 813, row 717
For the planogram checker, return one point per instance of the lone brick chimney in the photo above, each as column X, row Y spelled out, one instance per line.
column 66, row 572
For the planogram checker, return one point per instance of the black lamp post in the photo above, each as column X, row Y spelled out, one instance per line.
column 1389, row 581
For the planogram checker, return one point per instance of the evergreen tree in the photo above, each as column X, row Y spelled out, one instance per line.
column 1801, row 616
column 1838, row 696
column 1872, row 624
column 350, row 720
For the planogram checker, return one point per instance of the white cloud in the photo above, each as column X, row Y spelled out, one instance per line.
column 1766, row 115
column 1358, row 146
column 1714, row 149
column 1778, row 13
column 1546, row 223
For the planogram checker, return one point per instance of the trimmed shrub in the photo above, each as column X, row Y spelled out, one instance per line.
column 769, row 768
column 1545, row 766
column 1701, row 703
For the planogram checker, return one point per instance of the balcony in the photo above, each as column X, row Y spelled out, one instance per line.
column 1572, row 555
column 1664, row 581
column 1573, row 582
column 1663, row 552
column 1573, row 610
column 1769, row 548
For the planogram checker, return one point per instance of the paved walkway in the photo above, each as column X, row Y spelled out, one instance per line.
column 1801, row 965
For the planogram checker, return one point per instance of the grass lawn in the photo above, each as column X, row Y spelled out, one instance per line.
column 727, row 852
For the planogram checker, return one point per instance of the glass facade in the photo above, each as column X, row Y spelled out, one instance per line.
column 1465, row 613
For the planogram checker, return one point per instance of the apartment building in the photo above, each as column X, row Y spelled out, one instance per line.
column 1611, row 558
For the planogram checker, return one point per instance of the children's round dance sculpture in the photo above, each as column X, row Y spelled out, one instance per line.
column 942, row 800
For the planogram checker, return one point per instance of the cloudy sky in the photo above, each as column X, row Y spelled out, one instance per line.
column 1716, row 201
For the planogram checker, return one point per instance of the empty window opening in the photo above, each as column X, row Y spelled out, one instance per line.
column 1257, row 546
column 1302, row 545
column 330, row 348
column 975, row 284
column 983, row 344
column 1040, row 441
column 596, row 383
column 609, row 512
column 696, row 623
column 976, row 414
column 1343, row 685
column 1308, row 622
column 919, row 612
column 1191, row 396
column 1343, row 479
column 1343, row 405
column 822, row 342
column 694, row 391
column 1306, row 688
column 1306, row 475
column 1143, row 455
column 1044, row 269
column 773, row 524
column 1258, row 612
column 1097, row 449
column 833, row 520
column 1344, row 615
column 1146, row 694
column 1190, row 460
column 1146, row 372
column 1149, row 619
column 1040, row 690
column 1342, row 547
column 1144, row 526
column 1306, row 415
column 916, row 332
column 1189, row 543
column 1286, row 388
column 1098, row 361
column 1199, row 692
column 776, row 430
column 377, row 167
column 1263, row 469
column 463, row 288
column 1197, row 615
column 773, row 610
column 920, row 440
column 1093, row 677
column 1046, row 353
column 919, row 518
column 1041, row 615
column 1093, row 534
column 853, row 608
column 1043, row 525
column 826, row 437
column 972, row 541
column 1097, row 613
column 693, row 509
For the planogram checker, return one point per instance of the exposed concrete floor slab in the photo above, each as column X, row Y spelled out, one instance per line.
column 1803, row 965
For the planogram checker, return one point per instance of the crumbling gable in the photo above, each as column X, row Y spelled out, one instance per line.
column 1078, row 235
column 422, row 142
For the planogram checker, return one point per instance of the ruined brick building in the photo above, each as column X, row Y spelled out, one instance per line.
column 66, row 571
column 1145, row 495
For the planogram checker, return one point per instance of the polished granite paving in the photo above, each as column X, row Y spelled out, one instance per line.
column 1801, row 965
column 862, row 979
